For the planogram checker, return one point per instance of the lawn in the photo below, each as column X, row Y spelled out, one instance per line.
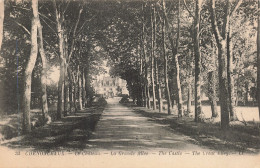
column 242, row 136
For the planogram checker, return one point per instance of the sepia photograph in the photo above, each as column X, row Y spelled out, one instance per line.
column 130, row 83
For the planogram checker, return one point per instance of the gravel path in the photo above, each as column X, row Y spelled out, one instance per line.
column 120, row 128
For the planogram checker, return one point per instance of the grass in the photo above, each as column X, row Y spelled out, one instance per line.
column 10, row 125
column 239, row 137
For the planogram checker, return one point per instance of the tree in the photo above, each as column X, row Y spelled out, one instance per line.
column 167, row 90
column 198, row 110
column 197, row 58
column 212, row 82
column 230, row 65
column 258, row 58
column 175, row 60
column 230, row 74
column 212, row 93
column 147, row 92
column 59, row 22
column 152, row 56
column 1, row 21
column 44, row 100
column 80, row 88
column 26, row 126
column 221, row 40
column 156, row 67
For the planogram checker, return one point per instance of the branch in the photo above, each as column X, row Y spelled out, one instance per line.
column 188, row 9
column 214, row 22
column 236, row 7
column 178, row 28
column 83, row 25
column 49, row 26
column 46, row 17
column 226, row 23
column 23, row 27
column 166, row 19
column 74, row 33
column 50, row 13
column 68, row 2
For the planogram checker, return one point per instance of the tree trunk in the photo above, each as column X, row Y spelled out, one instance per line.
column 87, row 85
column 246, row 94
column 147, row 83
column 26, row 126
column 189, row 82
column 141, row 73
column 152, row 60
column 158, row 84
column 60, row 91
column 223, row 87
column 156, row 67
column 198, row 109
column 177, row 68
column 189, row 99
column 2, row 13
column 258, row 59
column 67, row 56
column 75, row 81
column 80, row 89
column 43, row 75
column 66, row 82
column 178, row 84
column 70, row 91
column 61, row 60
column 222, row 61
column 212, row 93
column 83, row 89
column 66, row 91
column 147, row 93
column 230, row 75
column 167, row 91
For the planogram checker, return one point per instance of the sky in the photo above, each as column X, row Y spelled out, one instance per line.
column 54, row 73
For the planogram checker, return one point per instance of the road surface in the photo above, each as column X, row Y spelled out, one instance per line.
column 120, row 128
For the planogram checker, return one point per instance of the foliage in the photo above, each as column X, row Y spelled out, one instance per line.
column 120, row 32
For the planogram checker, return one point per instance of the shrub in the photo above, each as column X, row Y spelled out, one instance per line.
column 124, row 100
column 102, row 101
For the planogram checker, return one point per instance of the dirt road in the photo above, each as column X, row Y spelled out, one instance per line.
column 120, row 128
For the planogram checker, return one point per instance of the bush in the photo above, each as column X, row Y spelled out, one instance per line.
column 124, row 100
column 102, row 101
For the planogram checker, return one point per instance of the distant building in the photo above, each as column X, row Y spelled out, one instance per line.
column 110, row 87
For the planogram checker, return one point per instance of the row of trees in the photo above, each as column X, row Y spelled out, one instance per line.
column 165, row 50
column 59, row 35
column 175, row 51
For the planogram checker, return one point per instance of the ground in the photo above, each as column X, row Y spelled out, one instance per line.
column 130, row 128
column 121, row 128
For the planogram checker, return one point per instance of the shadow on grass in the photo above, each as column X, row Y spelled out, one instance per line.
column 237, row 138
column 71, row 132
